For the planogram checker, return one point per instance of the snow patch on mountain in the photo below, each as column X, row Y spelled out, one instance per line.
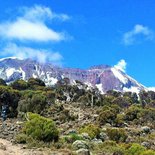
column 34, row 76
column 51, row 81
column 23, row 73
column 10, row 71
column 151, row 89
column 119, row 76
column 137, row 83
column 132, row 89
column 100, row 88
column 89, row 85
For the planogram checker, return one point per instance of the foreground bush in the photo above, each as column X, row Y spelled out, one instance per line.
column 9, row 97
column 72, row 138
column 135, row 149
column 21, row 138
column 148, row 152
column 32, row 101
column 92, row 130
column 40, row 128
column 118, row 135
column 109, row 147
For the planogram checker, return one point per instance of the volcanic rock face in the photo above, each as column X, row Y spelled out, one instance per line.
column 103, row 77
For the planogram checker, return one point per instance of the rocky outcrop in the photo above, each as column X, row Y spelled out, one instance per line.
column 80, row 144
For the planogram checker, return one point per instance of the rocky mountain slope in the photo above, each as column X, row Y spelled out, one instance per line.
column 103, row 77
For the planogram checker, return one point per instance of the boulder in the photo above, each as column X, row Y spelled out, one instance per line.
column 85, row 136
column 83, row 152
column 146, row 129
column 97, row 141
column 146, row 144
column 2, row 147
column 80, row 144
column 103, row 136
column 72, row 131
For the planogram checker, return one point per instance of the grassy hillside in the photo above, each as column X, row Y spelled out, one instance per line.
column 79, row 119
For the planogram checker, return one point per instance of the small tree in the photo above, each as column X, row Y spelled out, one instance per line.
column 19, row 85
column 118, row 135
column 2, row 82
column 40, row 128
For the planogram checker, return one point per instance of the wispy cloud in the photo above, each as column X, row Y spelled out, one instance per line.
column 121, row 65
column 31, row 26
column 138, row 33
column 40, row 55
column 42, row 13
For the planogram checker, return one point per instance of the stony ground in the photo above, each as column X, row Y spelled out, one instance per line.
column 8, row 147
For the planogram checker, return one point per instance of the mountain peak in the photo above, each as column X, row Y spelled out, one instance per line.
column 99, row 67
column 10, row 58
column 104, row 77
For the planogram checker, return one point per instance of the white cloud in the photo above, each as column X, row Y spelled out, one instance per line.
column 42, row 13
column 140, row 31
column 40, row 55
column 26, row 30
column 121, row 65
column 31, row 26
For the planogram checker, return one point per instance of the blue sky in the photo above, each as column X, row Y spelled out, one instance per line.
column 82, row 33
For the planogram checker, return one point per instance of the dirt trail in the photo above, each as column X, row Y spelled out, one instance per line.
column 7, row 148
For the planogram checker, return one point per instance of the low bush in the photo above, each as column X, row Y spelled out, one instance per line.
column 109, row 147
column 21, row 138
column 106, row 116
column 118, row 135
column 40, row 128
column 119, row 121
column 72, row 138
column 32, row 101
column 92, row 130
column 148, row 152
column 135, row 149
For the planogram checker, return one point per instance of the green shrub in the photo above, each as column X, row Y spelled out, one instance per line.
column 92, row 130
column 40, row 128
column 33, row 82
column 2, row 82
column 72, row 137
column 108, row 147
column 148, row 152
column 19, row 85
column 106, row 116
column 9, row 97
column 119, row 121
column 118, row 135
column 32, row 101
column 135, row 149
column 21, row 138
column 133, row 112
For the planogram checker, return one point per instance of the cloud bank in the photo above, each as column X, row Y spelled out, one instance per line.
column 138, row 33
column 41, row 55
column 31, row 26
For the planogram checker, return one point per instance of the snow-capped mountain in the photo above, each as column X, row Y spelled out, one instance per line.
column 103, row 77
